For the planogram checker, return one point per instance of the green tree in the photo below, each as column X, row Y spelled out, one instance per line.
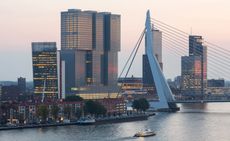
column 43, row 112
column 73, row 98
column 136, row 105
column 144, row 104
column 100, row 109
column 94, row 108
column 54, row 111
column 67, row 111
column 140, row 104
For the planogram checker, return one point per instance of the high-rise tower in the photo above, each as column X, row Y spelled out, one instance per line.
column 44, row 57
column 90, row 42
column 194, row 67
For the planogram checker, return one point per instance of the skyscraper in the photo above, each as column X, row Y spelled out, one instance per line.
column 44, row 57
column 90, row 42
column 148, row 81
column 194, row 67
column 191, row 74
column 22, row 84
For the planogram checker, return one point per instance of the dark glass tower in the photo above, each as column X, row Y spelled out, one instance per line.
column 194, row 67
column 22, row 85
column 44, row 57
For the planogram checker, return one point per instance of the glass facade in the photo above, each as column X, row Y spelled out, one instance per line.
column 44, row 58
column 194, row 67
column 98, row 95
column 94, row 41
column 68, row 56
column 191, row 72
column 76, row 30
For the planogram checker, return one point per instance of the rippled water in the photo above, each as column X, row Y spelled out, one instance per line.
column 200, row 122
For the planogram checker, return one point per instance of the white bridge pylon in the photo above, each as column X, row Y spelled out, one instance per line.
column 164, row 92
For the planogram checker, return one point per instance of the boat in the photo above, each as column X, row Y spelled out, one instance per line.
column 145, row 133
column 86, row 121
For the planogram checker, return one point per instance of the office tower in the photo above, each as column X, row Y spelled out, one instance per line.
column 22, row 84
column 44, row 57
column 191, row 74
column 148, row 81
column 194, row 67
column 216, row 83
column 90, row 42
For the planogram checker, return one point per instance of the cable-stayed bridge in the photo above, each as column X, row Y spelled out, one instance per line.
column 200, row 60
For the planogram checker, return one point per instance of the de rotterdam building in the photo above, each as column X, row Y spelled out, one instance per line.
column 90, row 42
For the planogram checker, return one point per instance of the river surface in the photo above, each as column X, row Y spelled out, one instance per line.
column 199, row 122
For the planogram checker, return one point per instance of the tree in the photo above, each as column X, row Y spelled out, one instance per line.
column 54, row 111
column 136, row 105
column 144, row 104
column 94, row 108
column 43, row 112
column 73, row 98
column 100, row 109
column 140, row 104
column 67, row 111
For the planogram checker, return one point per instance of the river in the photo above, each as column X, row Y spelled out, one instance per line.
column 195, row 122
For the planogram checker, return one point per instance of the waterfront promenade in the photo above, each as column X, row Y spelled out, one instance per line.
column 103, row 120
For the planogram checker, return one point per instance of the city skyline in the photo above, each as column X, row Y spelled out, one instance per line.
column 17, row 28
column 123, row 69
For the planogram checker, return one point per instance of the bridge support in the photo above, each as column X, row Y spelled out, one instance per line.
column 166, row 98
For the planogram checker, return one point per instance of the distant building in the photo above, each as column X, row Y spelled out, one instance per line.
column 148, row 81
column 216, row 83
column 44, row 56
column 8, row 83
column 131, row 83
column 177, row 81
column 171, row 83
column 22, row 84
column 10, row 93
column 90, row 42
column 194, row 67
column 218, row 90
column 227, row 83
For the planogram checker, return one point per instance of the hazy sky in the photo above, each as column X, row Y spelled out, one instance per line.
column 24, row 21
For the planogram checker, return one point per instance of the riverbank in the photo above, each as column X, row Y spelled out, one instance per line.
column 99, row 121
column 122, row 119
column 35, row 126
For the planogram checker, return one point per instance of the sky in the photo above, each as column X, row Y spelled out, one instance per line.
column 25, row 21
